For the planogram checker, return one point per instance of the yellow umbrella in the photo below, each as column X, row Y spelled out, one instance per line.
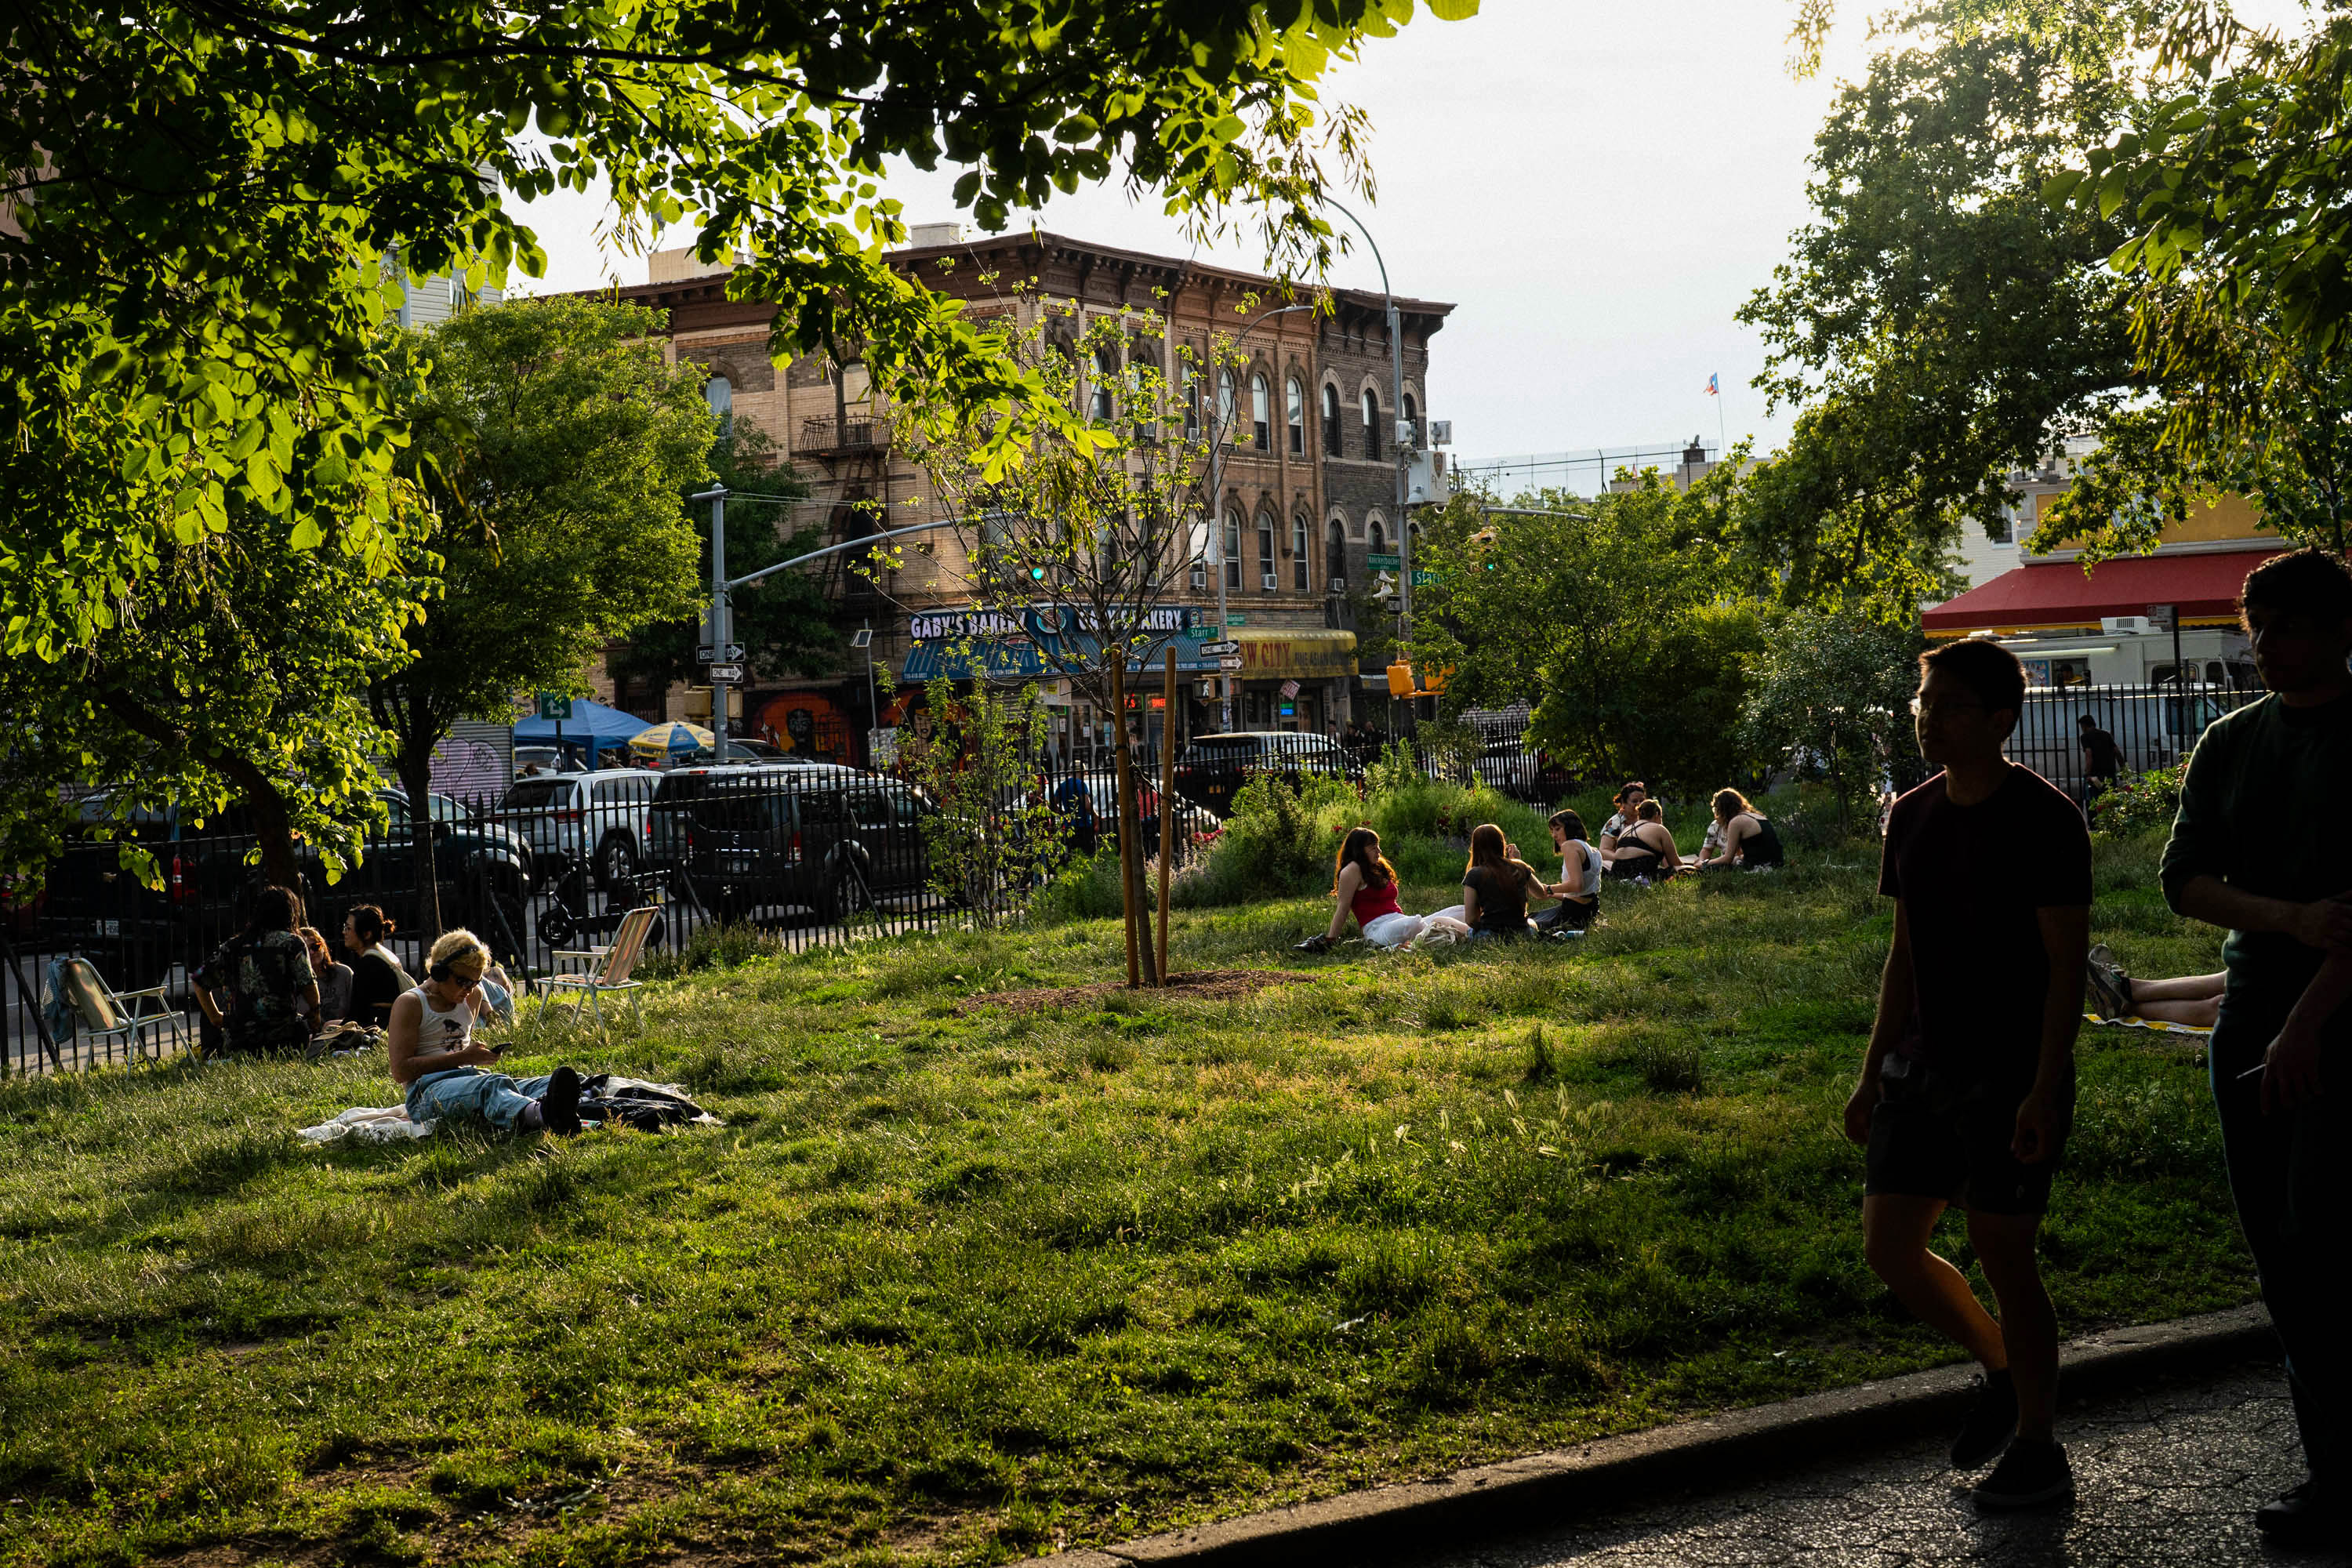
column 664, row 740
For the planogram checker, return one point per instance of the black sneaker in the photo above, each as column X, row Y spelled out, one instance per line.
column 2304, row 1517
column 559, row 1105
column 1990, row 1423
column 2033, row 1474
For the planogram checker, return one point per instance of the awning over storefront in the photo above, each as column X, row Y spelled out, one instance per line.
column 1022, row 658
column 2058, row 596
column 1273, row 654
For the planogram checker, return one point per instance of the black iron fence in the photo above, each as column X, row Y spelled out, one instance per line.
column 809, row 853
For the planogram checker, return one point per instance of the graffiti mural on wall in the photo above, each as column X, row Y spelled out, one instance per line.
column 806, row 724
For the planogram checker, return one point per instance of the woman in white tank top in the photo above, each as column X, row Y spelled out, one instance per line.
column 434, row 1058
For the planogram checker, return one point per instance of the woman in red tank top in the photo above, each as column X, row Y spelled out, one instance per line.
column 1365, row 886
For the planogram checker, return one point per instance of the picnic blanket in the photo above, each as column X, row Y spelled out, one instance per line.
column 2159, row 1025
column 606, row 1099
column 369, row 1124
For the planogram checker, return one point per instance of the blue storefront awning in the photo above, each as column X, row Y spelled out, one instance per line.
column 1022, row 658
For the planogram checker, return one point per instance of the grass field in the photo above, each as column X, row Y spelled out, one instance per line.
column 964, row 1286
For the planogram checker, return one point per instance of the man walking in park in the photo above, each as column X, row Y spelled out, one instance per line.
column 2279, row 1041
column 1969, row 1088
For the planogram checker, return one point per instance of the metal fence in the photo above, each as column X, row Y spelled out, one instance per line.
column 809, row 853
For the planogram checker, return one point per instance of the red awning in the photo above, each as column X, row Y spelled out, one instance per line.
column 2057, row 595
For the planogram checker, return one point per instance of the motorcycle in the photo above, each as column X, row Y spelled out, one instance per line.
column 578, row 911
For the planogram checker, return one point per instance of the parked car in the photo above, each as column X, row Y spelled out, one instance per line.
column 809, row 835
column 546, row 760
column 1509, row 765
column 605, row 815
column 483, row 869
column 1212, row 768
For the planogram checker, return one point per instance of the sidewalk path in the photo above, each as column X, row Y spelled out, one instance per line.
column 2170, row 1475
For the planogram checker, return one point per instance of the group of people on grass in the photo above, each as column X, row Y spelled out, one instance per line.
column 275, row 986
column 1967, row 1087
column 1500, row 891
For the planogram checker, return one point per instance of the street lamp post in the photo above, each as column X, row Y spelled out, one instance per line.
column 1396, row 412
column 1217, row 510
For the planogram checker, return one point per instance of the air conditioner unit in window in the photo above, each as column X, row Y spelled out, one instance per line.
column 1266, row 581
column 1336, row 585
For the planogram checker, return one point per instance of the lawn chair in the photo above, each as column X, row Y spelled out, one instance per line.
column 605, row 968
column 101, row 1012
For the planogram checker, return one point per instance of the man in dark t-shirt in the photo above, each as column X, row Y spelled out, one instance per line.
column 1969, row 1086
column 2102, row 760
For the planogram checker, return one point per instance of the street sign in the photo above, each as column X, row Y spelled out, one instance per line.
column 554, row 708
column 2162, row 616
column 1213, row 650
column 1232, row 621
column 1383, row 561
column 707, row 654
column 1422, row 579
column 1230, row 661
column 730, row 673
column 1200, row 634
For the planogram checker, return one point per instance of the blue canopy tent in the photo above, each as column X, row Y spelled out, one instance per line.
column 593, row 727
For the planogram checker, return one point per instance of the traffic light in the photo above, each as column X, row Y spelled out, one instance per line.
column 1485, row 541
column 1400, row 681
column 1036, row 573
column 1437, row 681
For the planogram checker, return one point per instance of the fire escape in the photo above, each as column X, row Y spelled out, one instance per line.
column 853, row 450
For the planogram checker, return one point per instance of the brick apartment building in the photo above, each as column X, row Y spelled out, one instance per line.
column 1301, row 504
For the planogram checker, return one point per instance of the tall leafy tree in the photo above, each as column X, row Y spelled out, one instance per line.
column 1620, row 616
column 1941, row 325
column 560, row 439
column 1832, row 692
column 202, row 197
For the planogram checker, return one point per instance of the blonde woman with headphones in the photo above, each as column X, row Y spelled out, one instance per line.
column 437, row 1059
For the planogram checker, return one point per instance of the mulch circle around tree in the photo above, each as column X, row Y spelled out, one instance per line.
column 1209, row 984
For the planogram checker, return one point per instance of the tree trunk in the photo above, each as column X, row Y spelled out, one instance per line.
column 272, row 829
column 1130, row 878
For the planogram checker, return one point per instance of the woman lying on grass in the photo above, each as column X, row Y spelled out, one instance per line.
column 1365, row 886
column 434, row 1055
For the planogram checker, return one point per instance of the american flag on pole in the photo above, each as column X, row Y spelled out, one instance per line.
column 1714, row 385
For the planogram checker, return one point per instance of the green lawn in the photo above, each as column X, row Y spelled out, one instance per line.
column 958, row 1287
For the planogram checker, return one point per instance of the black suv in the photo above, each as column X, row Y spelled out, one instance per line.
column 791, row 839
column 1211, row 770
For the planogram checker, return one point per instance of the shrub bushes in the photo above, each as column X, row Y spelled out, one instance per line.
column 2137, row 802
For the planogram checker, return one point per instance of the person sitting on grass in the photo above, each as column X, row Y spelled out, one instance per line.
column 1495, row 886
column 1749, row 840
column 1628, row 801
column 258, row 987
column 2194, row 1000
column 435, row 1057
column 377, row 979
column 334, row 979
column 1578, row 887
column 1365, row 885
column 1645, row 850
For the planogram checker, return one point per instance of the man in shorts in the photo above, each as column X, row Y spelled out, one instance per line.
column 1969, row 1088
column 2281, row 1065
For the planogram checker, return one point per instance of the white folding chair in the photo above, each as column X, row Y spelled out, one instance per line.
column 104, row 1014
column 605, row 968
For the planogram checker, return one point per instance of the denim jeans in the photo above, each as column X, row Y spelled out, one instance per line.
column 2291, row 1175
column 490, row 1096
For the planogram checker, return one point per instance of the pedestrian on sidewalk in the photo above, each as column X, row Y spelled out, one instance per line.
column 1969, row 1086
column 2280, row 1038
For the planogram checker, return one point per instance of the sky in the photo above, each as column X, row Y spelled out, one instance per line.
column 1596, row 186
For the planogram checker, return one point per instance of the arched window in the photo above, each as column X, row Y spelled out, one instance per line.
column 1335, row 555
column 1295, row 408
column 1372, row 422
column 1377, row 541
column 1331, row 447
column 1106, row 379
column 1299, row 576
column 1192, row 375
column 1260, row 414
column 719, row 392
column 1225, row 404
column 1412, row 417
column 1196, row 531
column 1233, row 547
column 1266, row 578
